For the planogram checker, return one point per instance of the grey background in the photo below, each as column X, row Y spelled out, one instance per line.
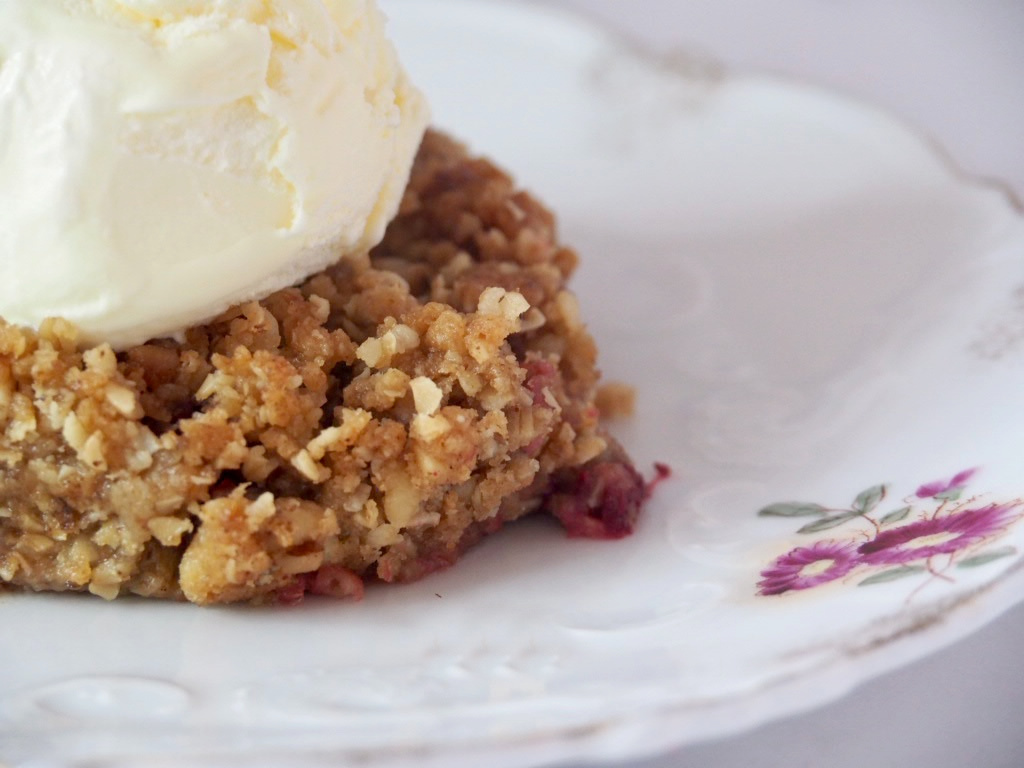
column 955, row 68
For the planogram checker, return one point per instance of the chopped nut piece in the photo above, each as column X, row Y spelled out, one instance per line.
column 101, row 360
column 490, row 301
column 513, row 306
column 406, row 338
column 260, row 510
column 319, row 445
column 169, row 531
column 569, row 308
column 92, row 451
column 426, row 395
column 430, row 428
column 312, row 471
column 371, row 352
column 74, row 432
column 401, row 499
column 122, row 398
column 321, row 307
column 533, row 320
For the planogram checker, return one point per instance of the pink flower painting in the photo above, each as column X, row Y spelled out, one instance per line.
column 940, row 535
column 932, row 532
column 807, row 567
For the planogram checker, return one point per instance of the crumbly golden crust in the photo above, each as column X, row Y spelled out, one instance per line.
column 372, row 422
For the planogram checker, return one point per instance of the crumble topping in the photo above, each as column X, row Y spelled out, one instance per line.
column 372, row 422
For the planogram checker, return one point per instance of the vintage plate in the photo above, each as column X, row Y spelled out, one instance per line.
column 823, row 320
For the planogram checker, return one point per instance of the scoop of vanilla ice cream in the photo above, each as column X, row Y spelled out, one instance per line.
column 161, row 160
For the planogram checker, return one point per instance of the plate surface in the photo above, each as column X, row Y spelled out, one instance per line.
column 824, row 324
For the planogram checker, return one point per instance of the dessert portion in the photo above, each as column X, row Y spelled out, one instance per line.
column 372, row 422
column 165, row 159
column 221, row 380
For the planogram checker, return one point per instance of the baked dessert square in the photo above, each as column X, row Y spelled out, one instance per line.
column 369, row 424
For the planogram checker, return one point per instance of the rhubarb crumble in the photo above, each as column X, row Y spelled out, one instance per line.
column 371, row 423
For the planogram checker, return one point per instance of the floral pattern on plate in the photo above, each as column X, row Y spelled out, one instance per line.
column 809, row 302
column 932, row 532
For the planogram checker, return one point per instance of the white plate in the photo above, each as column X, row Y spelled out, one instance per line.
column 813, row 304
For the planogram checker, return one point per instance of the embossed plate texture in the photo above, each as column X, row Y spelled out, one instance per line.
column 824, row 324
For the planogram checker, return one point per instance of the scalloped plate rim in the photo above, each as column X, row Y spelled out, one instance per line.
column 617, row 739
